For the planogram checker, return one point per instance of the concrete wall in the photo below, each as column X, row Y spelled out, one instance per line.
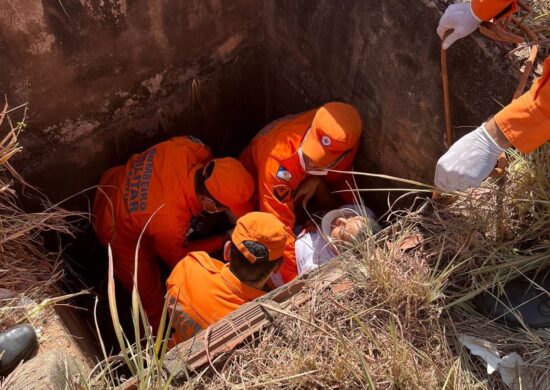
column 384, row 57
column 106, row 78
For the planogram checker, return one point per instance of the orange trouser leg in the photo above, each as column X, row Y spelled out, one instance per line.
column 150, row 287
column 112, row 229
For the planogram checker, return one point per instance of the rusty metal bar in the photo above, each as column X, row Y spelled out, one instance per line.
column 445, row 81
column 534, row 48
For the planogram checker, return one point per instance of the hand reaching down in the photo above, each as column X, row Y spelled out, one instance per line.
column 468, row 162
column 307, row 189
column 457, row 22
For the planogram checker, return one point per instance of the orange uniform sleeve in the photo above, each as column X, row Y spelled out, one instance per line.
column 526, row 121
column 282, row 208
column 488, row 9
column 170, row 245
column 167, row 230
column 168, row 239
column 344, row 181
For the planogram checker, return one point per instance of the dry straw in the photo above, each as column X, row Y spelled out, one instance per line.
column 28, row 272
column 398, row 328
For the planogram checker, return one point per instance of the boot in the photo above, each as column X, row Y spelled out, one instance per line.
column 521, row 298
column 16, row 344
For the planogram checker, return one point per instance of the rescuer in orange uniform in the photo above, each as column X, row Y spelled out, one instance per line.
column 289, row 150
column 525, row 124
column 202, row 290
column 162, row 192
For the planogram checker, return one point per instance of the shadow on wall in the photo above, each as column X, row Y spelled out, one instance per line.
column 107, row 79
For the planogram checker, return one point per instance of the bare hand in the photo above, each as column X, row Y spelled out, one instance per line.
column 307, row 189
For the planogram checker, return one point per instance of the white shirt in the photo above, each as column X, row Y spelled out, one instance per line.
column 312, row 251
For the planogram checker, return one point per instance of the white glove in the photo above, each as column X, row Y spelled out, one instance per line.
column 468, row 162
column 460, row 19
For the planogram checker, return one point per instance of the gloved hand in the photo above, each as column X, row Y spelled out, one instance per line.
column 460, row 19
column 468, row 162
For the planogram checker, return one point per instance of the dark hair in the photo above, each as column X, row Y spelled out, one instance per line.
column 249, row 272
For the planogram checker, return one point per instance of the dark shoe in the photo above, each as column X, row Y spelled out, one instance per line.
column 521, row 298
column 16, row 344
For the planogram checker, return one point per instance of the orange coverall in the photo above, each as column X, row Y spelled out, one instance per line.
column 202, row 290
column 525, row 121
column 160, row 180
column 271, row 157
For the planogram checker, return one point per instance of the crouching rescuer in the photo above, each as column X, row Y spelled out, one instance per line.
column 202, row 290
column 161, row 192
column 299, row 149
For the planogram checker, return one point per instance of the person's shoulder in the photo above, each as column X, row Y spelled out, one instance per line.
column 272, row 133
column 193, row 266
column 205, row 261
column 185, row 147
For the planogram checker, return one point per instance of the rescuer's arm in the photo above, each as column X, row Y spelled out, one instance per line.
column 169, row 245
column 275, row 197
column 168, row 235
column 461, row 19
column 315, row 188
column 469, row 161
column 489, row 9
column 526, row 121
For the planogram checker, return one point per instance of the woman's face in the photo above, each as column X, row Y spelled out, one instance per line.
column 346, row 229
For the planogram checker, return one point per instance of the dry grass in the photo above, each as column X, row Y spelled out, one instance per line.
column 398, row 328
column 28, row 273
column 501, row 230
column 539, row 17
column 383, row 333
column 538, row 20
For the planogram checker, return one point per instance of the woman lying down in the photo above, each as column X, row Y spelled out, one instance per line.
column 339, row 228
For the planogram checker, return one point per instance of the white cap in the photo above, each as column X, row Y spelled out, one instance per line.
column 348, row 211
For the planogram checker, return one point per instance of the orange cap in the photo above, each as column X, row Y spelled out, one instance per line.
column 335, row 129
column 260, row 237
column 231, row 185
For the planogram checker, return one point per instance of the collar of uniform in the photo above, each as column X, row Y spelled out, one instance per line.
column 191, row 196
column 244, row 291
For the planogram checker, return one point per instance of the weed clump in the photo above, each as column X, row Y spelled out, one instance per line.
column 399, row 326
column 28, row 272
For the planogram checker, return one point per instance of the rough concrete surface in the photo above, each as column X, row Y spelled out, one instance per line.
column 65, row 355
column 384, row 57
column 52, row 370
column 105, row 79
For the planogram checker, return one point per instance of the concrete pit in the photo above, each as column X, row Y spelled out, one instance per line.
column 106, row 79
